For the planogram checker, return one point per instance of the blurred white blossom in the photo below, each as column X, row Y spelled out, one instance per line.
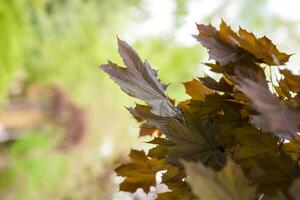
column 139, row 194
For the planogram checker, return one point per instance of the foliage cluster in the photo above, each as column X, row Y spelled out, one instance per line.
column 235, row 138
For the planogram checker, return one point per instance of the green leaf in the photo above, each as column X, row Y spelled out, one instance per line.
column 227, row 184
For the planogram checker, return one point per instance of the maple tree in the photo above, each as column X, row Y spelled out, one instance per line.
column 235, row 138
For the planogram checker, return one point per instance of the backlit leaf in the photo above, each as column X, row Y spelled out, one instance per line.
column 290, row 82
column 235, row 116
column 253, row 143
column 293, row 148
column 218, row 50
column 226, row 46
column 190, row 142
column 279, row 116
column 227, row 184
column 197, row 90
column 140, row 80
column 140, row 172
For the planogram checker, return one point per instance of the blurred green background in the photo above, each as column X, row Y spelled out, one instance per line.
column 63, row 125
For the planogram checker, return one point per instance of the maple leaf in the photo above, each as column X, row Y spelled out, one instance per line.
column 245, row 67
column 221, row 86
column 290, row 82
column 248, row 68
column 254, row 143
column 215, row 67
column 217, row 49
column 197, row 90
column 140, row 172
column 226, row 46
column 227, row 184
column 293, row 148
column 294, row 190
column 175, row 180
column 220, row 110
column 189, row 141
column 202, row 109
column 161, row 150
column 179, row 191
column 229, row 121
column 279, row 116
column 148, row 129
column 262, row 48
column 277, row 172
column 140, row 80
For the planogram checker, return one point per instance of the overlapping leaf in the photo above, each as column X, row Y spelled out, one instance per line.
column 227, row 184
column 197, row 90
column 189, row 141
column 290, row 82
column 277, row 173
column 146, row 129
column 254, row 143
column 279, row 116
column 218, row 50
column 221, row 86
column 226, row 46
column 293, row 148
column 160, row 151
column 175, row 180
column 140, row 172
column 140, row 80
column 180, row 191
column 245, row 67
